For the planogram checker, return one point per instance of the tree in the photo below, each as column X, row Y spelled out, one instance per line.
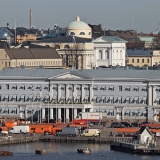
column 156, row 43
column 74, row 56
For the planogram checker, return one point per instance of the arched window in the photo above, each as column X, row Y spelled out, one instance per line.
column 72, row 33
column 56, row 47
column 82, row 33
column 107, row 54
column 100, row 54
column 89, row 33
column 66, row 47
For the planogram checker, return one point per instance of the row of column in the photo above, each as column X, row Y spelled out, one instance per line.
column 151, row 95
column 58, row 114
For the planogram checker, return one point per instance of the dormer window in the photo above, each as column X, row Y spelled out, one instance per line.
column 82, row 33
column 72, row 33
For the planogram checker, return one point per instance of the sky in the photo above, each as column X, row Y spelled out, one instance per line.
column 141, row 15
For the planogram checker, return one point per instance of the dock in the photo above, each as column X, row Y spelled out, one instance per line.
column 80, row 139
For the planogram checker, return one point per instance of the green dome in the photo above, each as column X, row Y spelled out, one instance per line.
column 78, row 24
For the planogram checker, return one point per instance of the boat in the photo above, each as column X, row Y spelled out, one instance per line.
column 42, row 152
column 6, row 153
column 86, row 150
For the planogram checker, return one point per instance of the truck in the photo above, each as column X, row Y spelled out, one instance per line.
column 94, row 117
column 19, row 129
column 91, row 132
column 68, row 131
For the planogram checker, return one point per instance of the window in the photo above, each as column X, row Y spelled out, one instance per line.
column 147, row 60
column 0, row 86
column 111, row 88
column 142, row 60
column 137, row 60
column 82, row 33
column 56, row 47
column 72, row 33
column 132, row 60
column 107, row 54
column 7, row 86
column 136, row 88
column 5, row 64
column 120, row 88
column 128, row 89
column 0, row 98
column 89, row 33
column 100, row 55
column 66, row 47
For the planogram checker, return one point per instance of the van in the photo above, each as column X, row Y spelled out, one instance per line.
column 68, row 131
column 91, row 133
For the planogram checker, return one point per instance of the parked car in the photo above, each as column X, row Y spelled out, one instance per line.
column 117, row 125
column 135, row 124
column 126, row 124
column 90, row 124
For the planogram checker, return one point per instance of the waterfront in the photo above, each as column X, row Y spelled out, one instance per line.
column 67, row 151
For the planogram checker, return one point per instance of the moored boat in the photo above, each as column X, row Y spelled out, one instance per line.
column 86, row 150
column 42, row 152
column 6, row 153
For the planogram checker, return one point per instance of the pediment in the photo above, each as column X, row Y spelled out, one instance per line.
column 68, row 76
column 100, row 40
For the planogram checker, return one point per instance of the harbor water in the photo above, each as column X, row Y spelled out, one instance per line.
column 68, row 151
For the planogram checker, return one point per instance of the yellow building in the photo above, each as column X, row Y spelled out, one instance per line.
column 30, row 58
column 156, row 58
column 139, row 58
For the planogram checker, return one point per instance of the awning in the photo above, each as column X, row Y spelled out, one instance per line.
column 95, row 87
column 157, row 99
column 135, row 98
column 111, row 111
column 30, row 96
column 144, row 98
column 103, row 87
column 86, row 97
column 14, row 86
column 14, row 96
column 78, row 97
column 144, row 88
column 70, row 97
column 54, row 97
column 6, row 109
column 47, row 97
column 103, row 97
column 6, row 96
column 119, row 98
column 111, row 97
column 128, row 98
column 127, row 111
column 94, row 97
column 22, row 96
column 62, row 97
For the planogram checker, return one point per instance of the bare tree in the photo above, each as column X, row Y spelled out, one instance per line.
column 74, row 56
column 156, row 43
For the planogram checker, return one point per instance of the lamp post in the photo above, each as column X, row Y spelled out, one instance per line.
column 32, row 102
column 56, row 106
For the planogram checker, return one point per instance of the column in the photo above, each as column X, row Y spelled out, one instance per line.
column 75, row 92
column 149, row 95
column 82, row 96
column 59, row 115
column 51, row 91
column 90, row 93
column 67, row 115
column 91, row 110
column 117, row 115
column 67, row 92
column 110, row 56
column 75, row 113
column 83, row 110
column 59, row 92
column 122, row 113
column 43, row 113
column 154, row 95
column 51, row 113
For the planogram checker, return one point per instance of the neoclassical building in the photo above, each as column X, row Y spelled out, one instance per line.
column 109, row 51
column 79, row 29
column 42, row 94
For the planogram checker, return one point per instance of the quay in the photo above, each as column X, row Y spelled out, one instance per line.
column 79, row 139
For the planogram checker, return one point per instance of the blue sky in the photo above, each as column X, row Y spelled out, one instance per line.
column 112, row 14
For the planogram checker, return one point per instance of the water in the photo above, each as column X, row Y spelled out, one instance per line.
column 64, row 151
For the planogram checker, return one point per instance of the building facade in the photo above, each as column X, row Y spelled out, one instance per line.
column 109, row 51
column 43, row 94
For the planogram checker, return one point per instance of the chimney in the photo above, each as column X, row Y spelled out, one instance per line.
column 30, row 19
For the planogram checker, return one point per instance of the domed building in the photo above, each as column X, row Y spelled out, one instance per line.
column 79, row 29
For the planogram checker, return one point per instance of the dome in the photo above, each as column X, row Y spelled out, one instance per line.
column 78, row 24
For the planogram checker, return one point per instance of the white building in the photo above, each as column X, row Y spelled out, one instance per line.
column 109, row 51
